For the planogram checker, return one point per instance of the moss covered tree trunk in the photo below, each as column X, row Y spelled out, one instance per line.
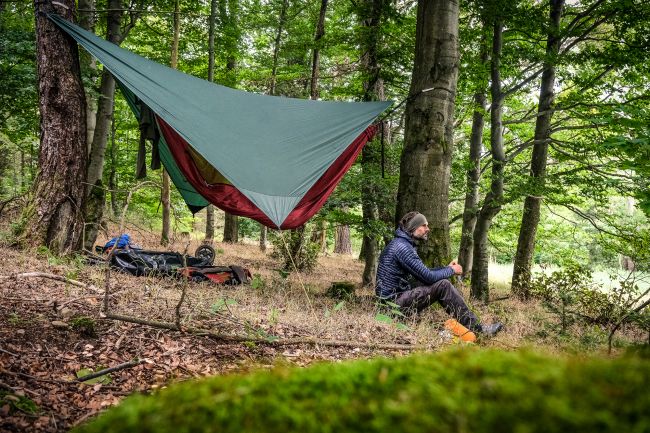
column 533, row 202
column 428, row 141
column 54, row 216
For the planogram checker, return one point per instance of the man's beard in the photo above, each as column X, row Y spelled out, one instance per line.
column 423, row 237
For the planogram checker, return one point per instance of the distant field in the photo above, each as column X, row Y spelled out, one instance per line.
column 501, row 275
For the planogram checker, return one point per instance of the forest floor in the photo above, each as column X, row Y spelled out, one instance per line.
column 52, row 331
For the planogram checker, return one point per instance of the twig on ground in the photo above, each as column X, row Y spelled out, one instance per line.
column 84, row 418
column 183, row 292
column 87, row 297
column 7, row 352
column 29, row 376
column 7, row 386
column 268, row 341
column 110, row 370
column 51, row 277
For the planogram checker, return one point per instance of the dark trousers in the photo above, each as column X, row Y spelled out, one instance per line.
column 417, row 299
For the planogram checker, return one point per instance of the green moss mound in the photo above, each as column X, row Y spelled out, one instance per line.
column 456, row 391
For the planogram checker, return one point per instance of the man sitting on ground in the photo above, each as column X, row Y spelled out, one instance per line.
column 399, row 260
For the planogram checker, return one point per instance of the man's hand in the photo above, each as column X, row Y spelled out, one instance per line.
column 458, row 269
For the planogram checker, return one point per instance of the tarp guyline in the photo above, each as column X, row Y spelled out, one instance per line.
column 269, row 158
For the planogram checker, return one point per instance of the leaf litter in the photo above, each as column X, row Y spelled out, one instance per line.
column 43, row 352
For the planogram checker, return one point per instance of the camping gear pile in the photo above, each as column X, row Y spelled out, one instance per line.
column 127, row 257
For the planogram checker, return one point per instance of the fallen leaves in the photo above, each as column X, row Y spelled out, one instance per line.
column 41, row 353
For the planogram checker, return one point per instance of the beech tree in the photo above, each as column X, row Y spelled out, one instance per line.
column 428, row 138
column 54, row 215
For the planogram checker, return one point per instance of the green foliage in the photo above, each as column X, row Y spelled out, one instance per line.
column 391, row 313
column 295, row 249
column 222, row 304
column 342, row 290
column 84, row 325
column 18, row 403
column 257, row 282
column 572, row 295
column 104, row 379
column 459, row 390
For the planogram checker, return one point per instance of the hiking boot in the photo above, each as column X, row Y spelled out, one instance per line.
column 491, row 330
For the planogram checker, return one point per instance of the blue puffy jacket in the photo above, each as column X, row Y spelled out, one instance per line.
column 399, row 260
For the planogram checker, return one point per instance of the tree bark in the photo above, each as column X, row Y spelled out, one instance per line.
column 165, row 199
column 532, row 203
column 276, row 46
column 470, row 210
column 428, row 140
column 166, row 192
column 492, row 204
column 371, row 17
column 263, row 236
column 228, row 11
column 342, row 244
column 209, row 220
column 231, row 229
column 54, row 216
column 315, row 63
column 112, row 175
column 96, row 193
column 319, row 234
column 88, row 67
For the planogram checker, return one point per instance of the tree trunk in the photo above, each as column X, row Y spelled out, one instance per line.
column 166, row 193
column 276, row 45
column 54, row 216
column 231, row 229
column 209, row 220
column 165, row 199
column 209, row 224
column 315, row 63
column 428, row 137
column 466, row 250
column 94, row 186
column 371, row 16
column 88, row 67
column 342, row 244
column 319, row 234
column 532, row 203
column 228, row 11
column 492, row 204
column 112, row 175
column 263, row 236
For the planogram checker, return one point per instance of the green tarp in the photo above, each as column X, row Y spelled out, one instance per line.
column 272, row 149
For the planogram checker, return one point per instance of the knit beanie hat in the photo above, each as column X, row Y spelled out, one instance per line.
column 415, row 222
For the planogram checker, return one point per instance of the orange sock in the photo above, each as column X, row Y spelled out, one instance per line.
column 460, row 331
